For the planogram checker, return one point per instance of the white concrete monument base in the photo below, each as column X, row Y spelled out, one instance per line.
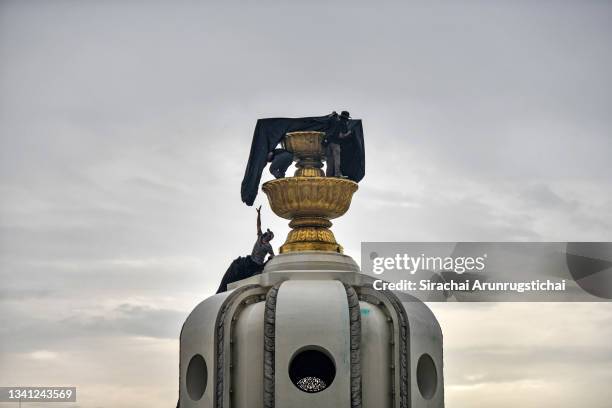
column 310, row 331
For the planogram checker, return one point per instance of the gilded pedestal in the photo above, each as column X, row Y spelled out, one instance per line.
column 309, row 199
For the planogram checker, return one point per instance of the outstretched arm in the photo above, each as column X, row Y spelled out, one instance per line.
column 259, row 221
column 345, row 135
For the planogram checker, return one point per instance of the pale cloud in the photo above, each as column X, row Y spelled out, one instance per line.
column 43, row 355
column 532, row 354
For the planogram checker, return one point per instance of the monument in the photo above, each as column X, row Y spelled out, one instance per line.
column 310, row 331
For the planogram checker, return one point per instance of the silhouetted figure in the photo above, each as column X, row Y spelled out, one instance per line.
column 247, row 266
column 280, row 160
column 335, row 139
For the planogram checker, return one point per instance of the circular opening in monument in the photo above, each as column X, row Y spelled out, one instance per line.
column 197, row 377
column 312, row 369
column 427, row 376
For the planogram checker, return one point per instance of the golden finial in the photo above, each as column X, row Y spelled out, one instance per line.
column 309, row 199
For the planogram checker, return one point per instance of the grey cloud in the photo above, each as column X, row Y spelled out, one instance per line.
column 568, row 355
column 23, row 294
column 130, row 320
column 124, row 129
column 22, row 332
column 542, row 196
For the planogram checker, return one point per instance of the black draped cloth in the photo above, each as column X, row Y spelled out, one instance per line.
column 240, row 268
column 269, row 132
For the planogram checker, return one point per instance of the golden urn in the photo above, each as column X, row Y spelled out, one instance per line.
column 309, row 199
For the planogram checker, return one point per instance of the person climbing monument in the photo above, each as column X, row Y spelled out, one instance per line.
column 280, row 160
column 253, row 264
column 336, row 136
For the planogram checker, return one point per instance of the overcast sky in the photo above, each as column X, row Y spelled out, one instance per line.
column 125, row 127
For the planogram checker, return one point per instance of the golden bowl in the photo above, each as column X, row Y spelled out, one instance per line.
column 309, row 200
column 298, row 197
column 305, row 144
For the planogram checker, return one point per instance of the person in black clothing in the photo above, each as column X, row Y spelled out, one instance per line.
column 336, row 135
column 280, row 160
column 247, row 266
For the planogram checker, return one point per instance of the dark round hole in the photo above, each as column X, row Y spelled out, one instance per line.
column 312, row 370
column 197, row 377
column 427, row 376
